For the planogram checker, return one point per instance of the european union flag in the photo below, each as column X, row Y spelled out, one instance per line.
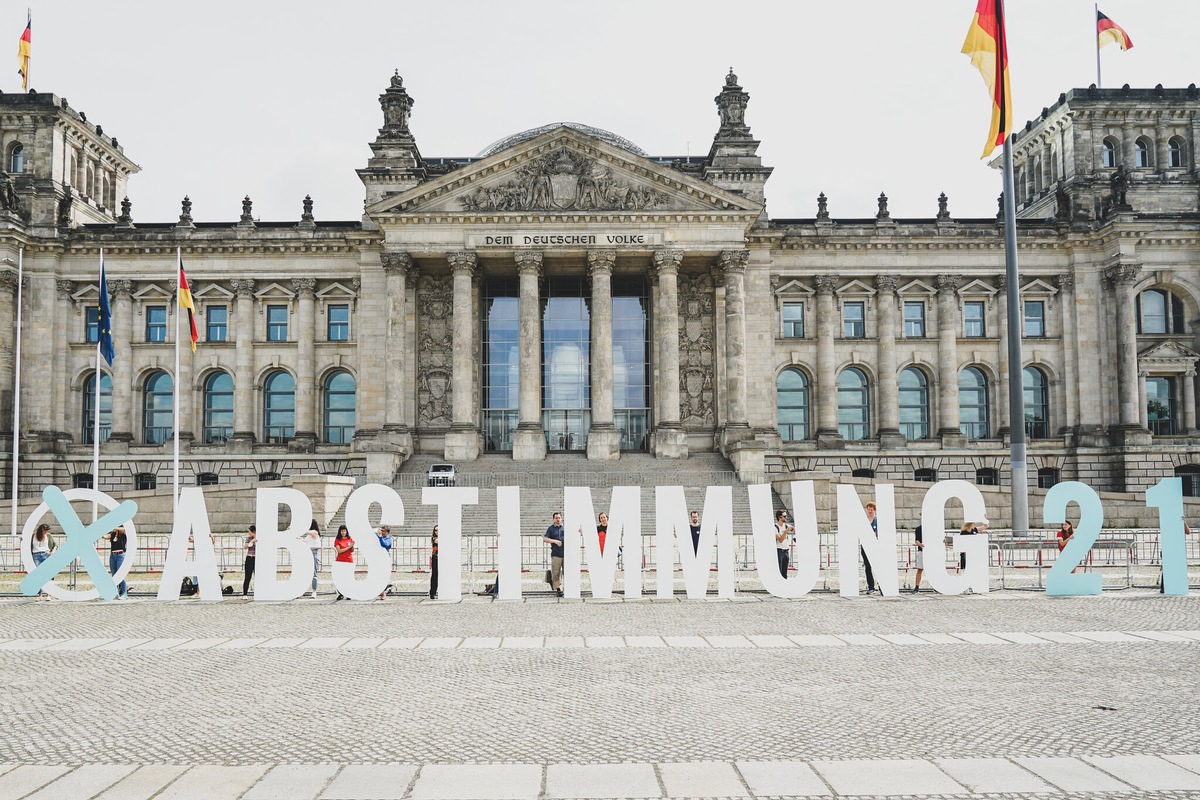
column 106, row 345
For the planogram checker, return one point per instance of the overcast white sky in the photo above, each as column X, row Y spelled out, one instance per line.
column 219, row 99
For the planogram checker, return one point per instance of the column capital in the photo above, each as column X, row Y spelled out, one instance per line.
column 1001, row 282
column 667, row 261
column 1065, row 281
column 825, row 283
column 947, row 283
column 1123, row 274
column 1191, row 373
column 529, row 261
column 601, row 261
column 733, row 261
column 305, row 287
column 396, row 263
column 65, row 288
column 887, row 283
column 8, row 280
column 462, row 261
column 244, row 287
column 121, row 288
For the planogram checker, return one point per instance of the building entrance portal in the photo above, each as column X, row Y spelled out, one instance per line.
column 566, row 364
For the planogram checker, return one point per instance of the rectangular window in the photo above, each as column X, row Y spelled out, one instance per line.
column 91, row 325
column 793, row 320
column 854, row 324
column 1035, row 319
column 216, row 323
column 914, row 320
column 156, row 323
column 973, row 325
column 339, row 323
column 277, row 323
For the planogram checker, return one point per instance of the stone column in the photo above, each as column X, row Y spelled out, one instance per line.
column 948, row 316
column 305, row 438
column 123, row 368
column 1142, row 398
column 828, row 435
column 889, row 399
column 462, row 440
column 1066, row 298
column 8, row 289
column 243, row 375
column 604, row 443
column 1000, row 427
column 529, row 440
column 732, row 264
column 1130, row 424
column 396, row 267
column 1162, row 154
column 1188, row 388
column 1128, row 150
column 670, row 441
column 62, row 389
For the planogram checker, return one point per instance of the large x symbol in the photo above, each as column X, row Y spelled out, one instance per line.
column 80, row 544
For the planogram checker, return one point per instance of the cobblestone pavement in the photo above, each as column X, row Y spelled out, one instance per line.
column 1010, row 694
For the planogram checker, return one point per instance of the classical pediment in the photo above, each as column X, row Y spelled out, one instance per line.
column 564, row 171
column 1169, row 352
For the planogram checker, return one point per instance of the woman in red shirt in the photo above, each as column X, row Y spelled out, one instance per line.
column 343, row 545
column 1064, row 535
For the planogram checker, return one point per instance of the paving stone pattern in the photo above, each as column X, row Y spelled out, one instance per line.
column 1006, row 695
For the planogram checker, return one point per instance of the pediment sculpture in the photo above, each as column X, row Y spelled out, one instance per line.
column 564, row 181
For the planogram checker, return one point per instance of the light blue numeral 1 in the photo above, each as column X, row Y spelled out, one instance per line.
column 1060, row 580
column 1167, row 497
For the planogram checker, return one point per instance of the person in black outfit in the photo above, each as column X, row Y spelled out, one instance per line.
column 867, row 561
column 116, row 557
column 694, row 524
column 554, row 537
column 433, row 567
column 250, row 545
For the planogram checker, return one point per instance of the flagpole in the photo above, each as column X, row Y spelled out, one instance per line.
column 1016, row 385
column 1096, row 36
column 96, row 398
column 178, row 388
column 16, row 424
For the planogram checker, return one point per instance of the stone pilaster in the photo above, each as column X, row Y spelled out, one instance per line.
column 396, row 267
column 1000, row 426
column 1066, row 297
column 669, row 438
column 62, row 324
column 463, row 439
column 8, row 289
column 124, row 417
column 732, row 266
column 529, row 440
column 828, row 436
column 1188, row 388
column 889, row 398
column 604, row 443
column 948, row 322
column 305, row 438
column 243, row 376
column 1130, row 427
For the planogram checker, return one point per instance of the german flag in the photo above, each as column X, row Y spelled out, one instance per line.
column 987, row 46
column 1110, row 32
column 185, row 301
column 24, row 48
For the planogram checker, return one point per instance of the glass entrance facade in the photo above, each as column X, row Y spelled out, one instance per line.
column 566, row 363
column 500, row 362
column 631, row 367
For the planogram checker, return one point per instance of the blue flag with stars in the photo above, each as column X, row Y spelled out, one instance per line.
column 105, row 323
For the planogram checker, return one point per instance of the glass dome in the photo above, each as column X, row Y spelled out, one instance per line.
column 607, row 136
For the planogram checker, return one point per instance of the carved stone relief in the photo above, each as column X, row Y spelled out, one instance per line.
column 564, row 181
column 697, row 329
column 435, row 305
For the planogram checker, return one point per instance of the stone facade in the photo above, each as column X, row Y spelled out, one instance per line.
column 866, row 347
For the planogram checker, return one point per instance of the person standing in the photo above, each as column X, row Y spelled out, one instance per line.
column 116, row 557
column 694, row 524
column 343, row 546
column 313, row 538
column 602, row 529
column 783, row 537
column 866, row 561
column 1065, row 534
column 41, row 547
column 555, row 537
column 920, row 559
column 250, row 547
column 385, row 541
column 433, row 567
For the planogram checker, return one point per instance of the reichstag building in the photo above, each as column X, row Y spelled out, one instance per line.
column 565, row 292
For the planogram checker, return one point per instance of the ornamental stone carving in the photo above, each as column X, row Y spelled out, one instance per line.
column 697, row 331
column 564, row 181
column 825, row 283
column 1065, row 281
column 1123, row 274
column 65, row 288
column 887, row 283
column 121, row 288
column 462, row 261
column 529, row 260
column 601, row 261
column 947, row 283
column 396, row 263
column 822, row 206
column 667, row 260
column 733, row 261
column 243, row 287
column 731, row 108
column 304, row 286
column 435, row 310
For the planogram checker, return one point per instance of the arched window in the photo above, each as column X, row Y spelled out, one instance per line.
column 1176, row 153
column 1159, row 311
column 1109, row 156
column 973, row 403
column 1190, row 475
column 854, row 409
column 218, row 408
column 1160, row 406
column 1037, row 403
column 16, row 158
column 1141, row 153
column 914, row 404
column 89, row 405
column 791, row 400
column 279, row 408
column 339, row 408
column 157, row 408
column 987, row 476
